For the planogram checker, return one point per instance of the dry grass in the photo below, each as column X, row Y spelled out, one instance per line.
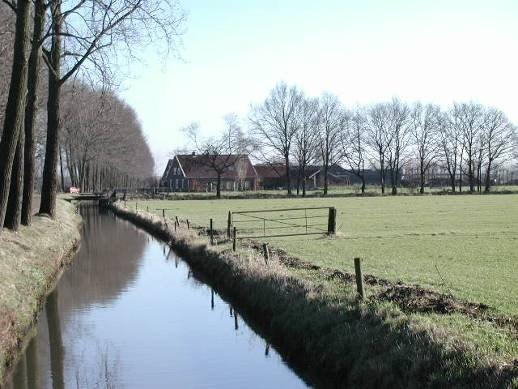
column 30, row 259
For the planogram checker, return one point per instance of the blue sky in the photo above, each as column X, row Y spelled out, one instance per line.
column 364, row 51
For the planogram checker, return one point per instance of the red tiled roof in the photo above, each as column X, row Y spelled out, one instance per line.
column 196, row 166
column 270, row 170
column 277, row 170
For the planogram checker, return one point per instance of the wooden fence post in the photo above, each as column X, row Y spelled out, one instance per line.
column 331, row 222
column 188, row 226
column 163, row 213
column 234, row 241
column 211, row 233
column 266, row 253
column 229, row 224
column 359, row 277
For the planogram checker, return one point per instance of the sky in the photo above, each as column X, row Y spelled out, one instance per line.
column 233, row 52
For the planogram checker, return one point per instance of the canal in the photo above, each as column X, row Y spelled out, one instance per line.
column 129, row 313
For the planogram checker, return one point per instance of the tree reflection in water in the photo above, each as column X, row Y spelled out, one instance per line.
column 106, row 264
column 125, row 314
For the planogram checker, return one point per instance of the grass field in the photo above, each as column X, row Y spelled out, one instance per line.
column 334, row 191
column 463, row 245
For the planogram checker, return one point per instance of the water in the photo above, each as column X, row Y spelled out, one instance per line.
column 130, row 314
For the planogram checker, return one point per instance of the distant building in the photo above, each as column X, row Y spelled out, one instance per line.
column 191, row 173
column 273, row 176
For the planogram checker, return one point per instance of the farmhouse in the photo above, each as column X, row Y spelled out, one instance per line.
column 198, row 173
column 273, row 176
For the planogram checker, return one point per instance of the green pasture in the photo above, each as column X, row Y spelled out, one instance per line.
column 465, row 245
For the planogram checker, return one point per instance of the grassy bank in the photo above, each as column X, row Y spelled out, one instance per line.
column 30, row 262
column 312, row 315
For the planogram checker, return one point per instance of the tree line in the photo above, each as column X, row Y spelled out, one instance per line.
column 468, row 141
column 68, row 42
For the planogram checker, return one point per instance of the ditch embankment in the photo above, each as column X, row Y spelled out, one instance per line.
column 31, row 262
column 318, row 323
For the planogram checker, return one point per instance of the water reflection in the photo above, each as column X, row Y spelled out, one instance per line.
column 55, row 341
column 31, row 358
column 125, row 315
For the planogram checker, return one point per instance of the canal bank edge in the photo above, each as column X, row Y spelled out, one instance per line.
column 328, row 331
column 31, row 262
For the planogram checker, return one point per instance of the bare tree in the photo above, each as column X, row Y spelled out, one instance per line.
column 306, row 139
column 450, row 139
column 82, row 37
column 424, row 121
column 379, row 138
column 471, row 119
column 274, row 124
column 15, row 108
column 223, row 153
column 498, row 133
column 31, row 110
column 102, row 143
column 7, row 21
column 330, row 117
column 399, row 115
column 353, row 144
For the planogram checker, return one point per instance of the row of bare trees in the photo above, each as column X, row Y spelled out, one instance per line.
column 467, row 141
column 102, row 144
column 72, row 39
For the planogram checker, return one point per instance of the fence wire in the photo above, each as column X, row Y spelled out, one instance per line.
column 281, row 222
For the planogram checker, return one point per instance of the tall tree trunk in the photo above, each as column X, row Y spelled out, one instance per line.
column 288, row 174
column 421, row 171
column 479, row 176
column 452, row 182
column 30, row 112
column 326, row 182
column 218, row 186
column 49, row 185
column 61, row 170
column 396, row 177
column 15, row 108
column 382, row 176
column 471, row 174
column 304, row 180
column 460, row 180
column 488, row 177
column 362, row 177
column 14, row 205
column 298, row 180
